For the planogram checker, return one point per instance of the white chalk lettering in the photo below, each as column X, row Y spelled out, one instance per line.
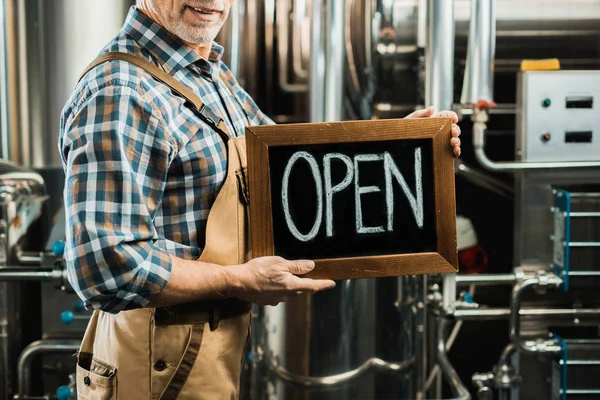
column 285, row 200
column 358, row 191
column 416, row 202
column 329, row 190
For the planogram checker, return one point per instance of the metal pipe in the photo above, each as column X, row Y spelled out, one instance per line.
column 507, row 353
column 332, row 380
column 283, row 40
column 583, row 362
column 269, row 21
column 317, row 64
column 234, row 38
column 300, row 7
column 481, row 315
column 515, row 317
column 334, row 67
column 29, row 258
column 498, row 109
column 33, row 350
column 435, row 372
column 439, row 53
column 480, row 118
column 486, row 279
column 327, row 61
column 349, row 49
column 582, row 391
column 439, row 83
column 580, row 195
column 583, row 244
column 421, row 329
column 582, row 214
column 4, row 114
column 24, row 106
column 478, row 82
column 458, row 388
column 584, row 273
column 499, row 313
column 26, row 274
column 483, row 180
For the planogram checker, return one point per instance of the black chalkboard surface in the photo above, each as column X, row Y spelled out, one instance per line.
column 362, row 199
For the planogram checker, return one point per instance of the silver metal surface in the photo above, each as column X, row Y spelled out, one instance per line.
column 46, row 49
column 480, row 118
column 583, row 244
column 35, row 349
column 332, row 380
column 502, row 313
column 483, row 179
column 327, row 61
column 535, row 119
column 458, row 388
column 440, row 54
column 233, row 36
column 4, row 95
column 439, row 82
column 22, row 193
column 327, row 344
column 25, row 274
column 486, row 279
column 289, row 37
column 584, row 214
column 317, row 63
column 478, row 83
column 542, row 346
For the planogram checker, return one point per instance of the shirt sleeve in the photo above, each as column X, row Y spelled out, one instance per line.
column 116, row 156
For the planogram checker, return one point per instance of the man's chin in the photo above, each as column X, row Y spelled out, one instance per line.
column 193, row 36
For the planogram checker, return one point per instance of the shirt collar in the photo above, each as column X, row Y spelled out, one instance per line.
column 164, row 45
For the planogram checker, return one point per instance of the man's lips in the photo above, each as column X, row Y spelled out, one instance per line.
column 205, row 13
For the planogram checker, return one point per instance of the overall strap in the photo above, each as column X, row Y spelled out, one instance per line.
column 205, row 113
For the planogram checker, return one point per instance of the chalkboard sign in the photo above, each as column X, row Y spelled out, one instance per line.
column 361, row 198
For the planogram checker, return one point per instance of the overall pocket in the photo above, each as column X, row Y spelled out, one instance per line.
column 96, row 380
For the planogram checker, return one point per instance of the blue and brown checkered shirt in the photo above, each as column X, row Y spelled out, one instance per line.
column 142, row 170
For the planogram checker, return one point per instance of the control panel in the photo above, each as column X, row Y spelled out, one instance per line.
column 558, row 116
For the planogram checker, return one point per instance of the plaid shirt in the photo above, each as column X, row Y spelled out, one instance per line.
column 142, row 170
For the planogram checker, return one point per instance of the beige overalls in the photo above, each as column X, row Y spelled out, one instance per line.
column 192, row 351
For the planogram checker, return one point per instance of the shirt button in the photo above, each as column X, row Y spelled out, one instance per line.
column 86, row 381
column 160, row 365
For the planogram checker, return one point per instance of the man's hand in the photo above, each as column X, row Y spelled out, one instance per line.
column 271, row 280
column 430, row 113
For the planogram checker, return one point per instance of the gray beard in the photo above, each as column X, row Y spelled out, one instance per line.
column 198, row 34
column 204, row 32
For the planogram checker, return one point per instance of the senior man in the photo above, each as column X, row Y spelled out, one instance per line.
column 152, row 144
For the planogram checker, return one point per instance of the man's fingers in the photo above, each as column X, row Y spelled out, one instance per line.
column 447, row 114
column 424, row 113
column 456, row 151
column 299, row 267
column 455, row 142
column 311, row 285
column 456, row 131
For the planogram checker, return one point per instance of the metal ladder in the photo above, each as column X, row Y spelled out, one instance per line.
column 576, row 369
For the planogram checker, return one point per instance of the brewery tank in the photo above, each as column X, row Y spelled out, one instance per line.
column 324, row 345
column 44, row 46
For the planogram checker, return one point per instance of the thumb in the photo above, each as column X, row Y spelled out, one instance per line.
column 299, row 267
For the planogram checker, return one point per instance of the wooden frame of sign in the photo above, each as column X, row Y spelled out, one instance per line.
column 265, row 142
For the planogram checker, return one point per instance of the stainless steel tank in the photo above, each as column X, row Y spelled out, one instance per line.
column 315, row 347
column 384, row 74
column 46, row 46
column 22, row 193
